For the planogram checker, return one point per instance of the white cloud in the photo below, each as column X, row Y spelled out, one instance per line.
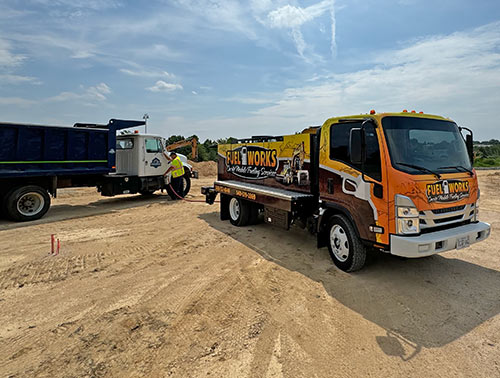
column 93, row 94
column 7, row 58
column 41, row 43
column 194, row 92
column 99, row 91
column 146, row 73
column 162, row 86
column 333, row 42
column 292, row 18
column 18, row 79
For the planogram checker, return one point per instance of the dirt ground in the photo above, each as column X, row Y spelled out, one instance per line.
column 157, row 288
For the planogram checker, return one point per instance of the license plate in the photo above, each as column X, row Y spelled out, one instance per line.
column 463, row 242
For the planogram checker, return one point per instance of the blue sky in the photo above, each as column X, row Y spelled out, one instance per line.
column 238, row 68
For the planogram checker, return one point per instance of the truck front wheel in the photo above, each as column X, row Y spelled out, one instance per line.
column 346, row 249
column 239, row 212
column 27, row 203
column 186, row 183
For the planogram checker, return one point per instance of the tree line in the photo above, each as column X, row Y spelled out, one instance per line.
column 487, row 153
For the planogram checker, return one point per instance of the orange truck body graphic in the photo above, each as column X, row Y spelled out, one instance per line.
column 414, row 193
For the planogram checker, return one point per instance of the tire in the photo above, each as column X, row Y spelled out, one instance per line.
column 27, row 203
column 239, row 212
column 186, row 180
column 186, row 185
column 346, row 249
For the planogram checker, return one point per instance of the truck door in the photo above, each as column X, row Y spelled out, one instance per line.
column 155, row 164
column 341, row 182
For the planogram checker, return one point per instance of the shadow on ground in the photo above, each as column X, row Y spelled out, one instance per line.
column 63, row 212
column 426, row 302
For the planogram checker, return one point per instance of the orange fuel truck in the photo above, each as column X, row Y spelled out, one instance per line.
column 402, row 183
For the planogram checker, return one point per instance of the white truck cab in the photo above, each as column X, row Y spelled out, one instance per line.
column 143, row 155
column 141, row 166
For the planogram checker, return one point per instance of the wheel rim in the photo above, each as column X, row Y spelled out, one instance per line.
column 234, row 209
column 339, row 243
column 30, row 204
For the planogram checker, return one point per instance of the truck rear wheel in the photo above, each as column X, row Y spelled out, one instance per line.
column 346, row 249
column 27, row 203
column 239, row 212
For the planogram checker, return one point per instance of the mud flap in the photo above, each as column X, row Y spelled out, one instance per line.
column 224, row 206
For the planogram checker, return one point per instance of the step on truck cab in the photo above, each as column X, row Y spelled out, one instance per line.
column 402, row 183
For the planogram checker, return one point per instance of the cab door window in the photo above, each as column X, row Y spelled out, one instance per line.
column 339, row 147
column 153, row 145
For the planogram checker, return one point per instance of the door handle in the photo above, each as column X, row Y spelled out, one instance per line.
column 351, row 183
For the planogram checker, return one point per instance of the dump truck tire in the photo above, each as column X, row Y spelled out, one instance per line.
column 346, row 249
column 27, row 203
column 186, row 181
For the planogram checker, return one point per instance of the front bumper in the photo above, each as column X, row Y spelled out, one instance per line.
column 439, row 241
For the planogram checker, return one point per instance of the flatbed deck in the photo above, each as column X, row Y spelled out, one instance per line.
column 288, row 195
column 278, row 198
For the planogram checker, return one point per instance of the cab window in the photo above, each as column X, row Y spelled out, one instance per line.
column 339, row 147
column 125, row 144
column 152, row 145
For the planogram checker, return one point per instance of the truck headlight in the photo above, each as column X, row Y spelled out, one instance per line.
column 407, row 217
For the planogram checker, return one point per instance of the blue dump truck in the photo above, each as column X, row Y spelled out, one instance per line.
column 36, row 160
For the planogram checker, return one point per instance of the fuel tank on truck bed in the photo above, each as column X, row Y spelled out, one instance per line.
column 276, row 161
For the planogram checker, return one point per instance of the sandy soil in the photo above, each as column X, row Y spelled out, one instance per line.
column 152, row 287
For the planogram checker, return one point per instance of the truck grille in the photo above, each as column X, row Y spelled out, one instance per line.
column 447, row 216
column 448, row 209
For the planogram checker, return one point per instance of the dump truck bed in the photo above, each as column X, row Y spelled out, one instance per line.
column 43, row 150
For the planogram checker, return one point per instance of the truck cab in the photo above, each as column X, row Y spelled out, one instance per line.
column 141, row 166
column 405, row 180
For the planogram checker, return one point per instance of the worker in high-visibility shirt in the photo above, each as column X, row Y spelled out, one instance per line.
column 177, row 171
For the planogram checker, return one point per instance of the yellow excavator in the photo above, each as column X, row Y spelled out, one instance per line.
column 185, row 142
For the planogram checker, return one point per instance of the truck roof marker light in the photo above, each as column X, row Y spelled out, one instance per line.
column 405, row 111
column 420, row 112
column 413, row 111
column 372, row 111
column 136, row 131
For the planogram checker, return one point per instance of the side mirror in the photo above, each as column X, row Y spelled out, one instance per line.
column 357, row 146
column 470, row 147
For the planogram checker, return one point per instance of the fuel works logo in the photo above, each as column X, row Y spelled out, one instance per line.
column 447, row 191
column 252, row 162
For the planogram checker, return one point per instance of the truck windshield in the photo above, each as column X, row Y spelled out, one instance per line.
column 421, row 146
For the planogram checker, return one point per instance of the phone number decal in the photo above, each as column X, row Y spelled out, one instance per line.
column 247, row 195
column 222, row 189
